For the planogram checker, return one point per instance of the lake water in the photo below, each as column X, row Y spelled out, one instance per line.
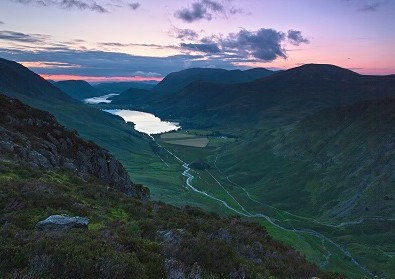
column 98, row 100
column 145, row 122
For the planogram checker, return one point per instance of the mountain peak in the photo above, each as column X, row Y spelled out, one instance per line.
column 321, row 71
column 325, row 67
column 78, row 81
column 178, row 80
column 77, row 89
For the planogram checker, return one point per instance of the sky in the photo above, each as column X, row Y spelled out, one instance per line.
column 139, row 40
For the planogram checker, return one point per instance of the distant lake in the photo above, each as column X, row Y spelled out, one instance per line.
column 98, row 100
column 145, row 122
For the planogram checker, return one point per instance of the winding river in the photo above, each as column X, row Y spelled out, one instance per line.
column 189, row 178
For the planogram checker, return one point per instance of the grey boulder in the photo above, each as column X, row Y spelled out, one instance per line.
column 62, row 222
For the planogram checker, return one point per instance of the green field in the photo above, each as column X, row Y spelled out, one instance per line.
column 186, row 139
column 176, row 135
column 196, row 142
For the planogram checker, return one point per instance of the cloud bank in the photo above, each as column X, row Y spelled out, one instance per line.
column 87, row 5
column 67, row 4
column 12, row 36
column 296, row 38
column 205, row 9
column 263, row 44
column 184, row 34
column 367, row 5
column 371, row 7
column 134, row 6
column 206, row 48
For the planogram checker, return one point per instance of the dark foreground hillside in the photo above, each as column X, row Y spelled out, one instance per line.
column 128, row 236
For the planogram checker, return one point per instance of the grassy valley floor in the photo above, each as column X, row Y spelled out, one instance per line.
column 359, row 248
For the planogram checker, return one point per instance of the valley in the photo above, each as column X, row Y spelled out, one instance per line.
column 212, row 188
column 259, row 169
column 284, row 165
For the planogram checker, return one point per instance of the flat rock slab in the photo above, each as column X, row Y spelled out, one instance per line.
column 62, row 222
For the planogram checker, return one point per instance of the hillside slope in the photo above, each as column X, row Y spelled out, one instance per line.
column 331, row 172
column 131, row 95
column 353, row 147
column 119, row 87
column 126, row 237
column 104, row 129
column 78, row 89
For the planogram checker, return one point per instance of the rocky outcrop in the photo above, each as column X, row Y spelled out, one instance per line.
column 37, row 140
column 62, row 222
column 178, row 270
column 170, row 241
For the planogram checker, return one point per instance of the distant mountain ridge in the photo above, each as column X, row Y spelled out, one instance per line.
column 130, row 95
column 119, row 87
column 78, row 89
column 287, row 96
column 178, row 80
column 317, row 71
